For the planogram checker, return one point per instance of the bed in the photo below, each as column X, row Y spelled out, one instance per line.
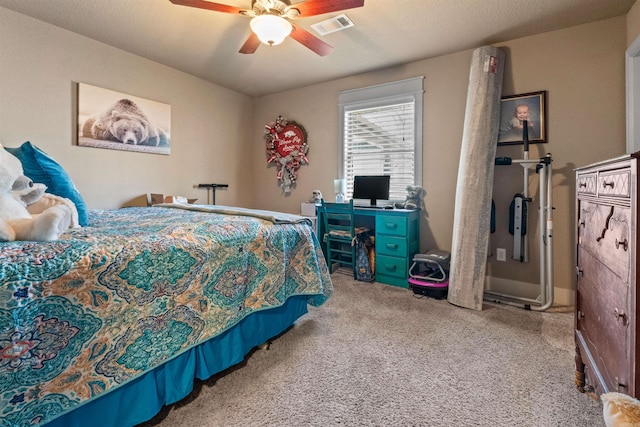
column 114, row 320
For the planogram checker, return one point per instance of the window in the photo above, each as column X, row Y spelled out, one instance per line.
column 381, row 134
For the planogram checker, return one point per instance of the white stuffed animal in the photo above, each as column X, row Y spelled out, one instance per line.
column 414, row 198
column 34, row 197
column 40, row 204
column 26, row 191
column 316, row 197
column 16, row 223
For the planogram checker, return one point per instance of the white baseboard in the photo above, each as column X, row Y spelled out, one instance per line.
column 561, row 296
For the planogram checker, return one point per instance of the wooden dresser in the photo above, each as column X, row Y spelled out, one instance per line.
column 606, row 331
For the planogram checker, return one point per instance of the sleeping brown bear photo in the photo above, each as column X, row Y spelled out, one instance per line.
column 124, row 122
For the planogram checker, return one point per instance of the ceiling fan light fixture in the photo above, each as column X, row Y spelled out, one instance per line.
column 271, row 29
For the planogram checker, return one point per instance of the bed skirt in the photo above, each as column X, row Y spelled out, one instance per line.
column 141, row 399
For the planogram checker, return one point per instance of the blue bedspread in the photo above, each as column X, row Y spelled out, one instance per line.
column 83, row 315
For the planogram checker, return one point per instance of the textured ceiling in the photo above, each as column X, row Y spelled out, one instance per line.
column 387, row 32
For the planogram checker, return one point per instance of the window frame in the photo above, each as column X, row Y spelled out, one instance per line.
column 381, row 95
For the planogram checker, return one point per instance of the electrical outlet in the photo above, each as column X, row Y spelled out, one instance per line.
column 501, row 254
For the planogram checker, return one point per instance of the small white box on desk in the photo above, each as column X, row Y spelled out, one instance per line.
column 308, row 209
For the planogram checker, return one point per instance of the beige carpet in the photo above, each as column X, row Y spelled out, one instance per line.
column 375, row 355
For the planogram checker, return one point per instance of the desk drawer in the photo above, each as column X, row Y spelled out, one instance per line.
column 390, row 245
column 391, row 266
column 393, row 225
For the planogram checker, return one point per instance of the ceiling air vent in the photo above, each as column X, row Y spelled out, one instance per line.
column 332, row 25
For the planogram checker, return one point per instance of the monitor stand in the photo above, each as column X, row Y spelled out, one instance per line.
column 373, row 204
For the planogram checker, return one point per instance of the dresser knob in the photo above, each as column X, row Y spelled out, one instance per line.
column 606, row 184
column 622, row 242
column 620, row 315
column 581, row 222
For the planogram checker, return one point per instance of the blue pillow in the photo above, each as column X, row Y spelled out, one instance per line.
column 41, row 168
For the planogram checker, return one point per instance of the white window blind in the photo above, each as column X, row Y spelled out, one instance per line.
column 381, row 134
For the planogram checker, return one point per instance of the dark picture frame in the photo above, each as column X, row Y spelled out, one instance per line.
column 512, row 109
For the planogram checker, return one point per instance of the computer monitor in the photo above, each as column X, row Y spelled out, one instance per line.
column 371, row 187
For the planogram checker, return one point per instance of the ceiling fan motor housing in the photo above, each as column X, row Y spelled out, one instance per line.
column 275, row 7
column 280, row 12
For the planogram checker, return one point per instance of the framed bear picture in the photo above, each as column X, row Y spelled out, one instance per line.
column 117, row 121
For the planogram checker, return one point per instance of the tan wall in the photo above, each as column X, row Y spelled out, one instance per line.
column 582, row 68
column 41, row 63
column 633, row 23
column 217, row 134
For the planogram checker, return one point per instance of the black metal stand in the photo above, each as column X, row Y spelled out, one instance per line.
column 213, row 187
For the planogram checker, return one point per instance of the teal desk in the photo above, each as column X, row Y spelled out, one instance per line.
column 397, row 240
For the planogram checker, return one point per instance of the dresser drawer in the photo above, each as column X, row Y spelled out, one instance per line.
column 605, row 231
column 603, row 319
column 391, row 266
column 614, row 183
column 390, row 245
column 586, row 183
column 392, row 225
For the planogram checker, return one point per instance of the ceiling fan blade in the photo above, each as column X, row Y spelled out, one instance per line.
column 318, row 7
column 309, row 40
column 202, row 4
column 251, row 45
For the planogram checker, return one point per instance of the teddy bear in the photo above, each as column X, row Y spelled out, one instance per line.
column 16, row 222
column 37, row 201
column 413, row 200
column 124, row 122
column 316, row 197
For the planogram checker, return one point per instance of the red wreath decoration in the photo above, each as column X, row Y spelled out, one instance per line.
column 287, row 148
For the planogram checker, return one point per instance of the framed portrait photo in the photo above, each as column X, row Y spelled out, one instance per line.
column 515, row 110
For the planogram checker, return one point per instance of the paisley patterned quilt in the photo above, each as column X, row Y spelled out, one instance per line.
column 106, row 303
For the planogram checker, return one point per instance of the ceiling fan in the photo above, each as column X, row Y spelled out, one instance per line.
column 271, row 22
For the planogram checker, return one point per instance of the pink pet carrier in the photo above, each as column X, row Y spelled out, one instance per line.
column 429, row 274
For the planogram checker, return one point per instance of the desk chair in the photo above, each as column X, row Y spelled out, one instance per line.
column 340, row 234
